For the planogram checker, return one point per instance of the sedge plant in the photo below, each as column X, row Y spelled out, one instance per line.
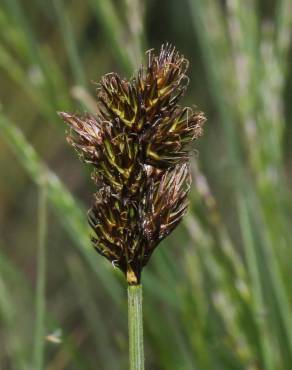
column 139, row 144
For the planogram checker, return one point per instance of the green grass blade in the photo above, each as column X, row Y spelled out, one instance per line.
column 103, row 338
column 20, row 20
column 8, row 315
column 283, row 32
column 109, row 19
column 67, row 33
column 219, row 66
column 41, row 280
column 259, row 306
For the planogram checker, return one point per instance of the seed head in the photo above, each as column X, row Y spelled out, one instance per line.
column 139, row 144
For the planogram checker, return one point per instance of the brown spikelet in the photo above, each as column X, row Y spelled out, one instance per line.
column 139, row 143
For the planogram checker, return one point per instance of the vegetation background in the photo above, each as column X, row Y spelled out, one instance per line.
column 218, row 292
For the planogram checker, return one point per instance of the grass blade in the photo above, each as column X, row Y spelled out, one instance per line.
column 41, row 279
column 259, row 306
column 69, row 43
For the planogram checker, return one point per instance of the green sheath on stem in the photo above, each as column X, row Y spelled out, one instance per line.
column 136, row 345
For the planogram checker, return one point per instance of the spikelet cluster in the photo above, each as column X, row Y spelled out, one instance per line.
column 139, row 145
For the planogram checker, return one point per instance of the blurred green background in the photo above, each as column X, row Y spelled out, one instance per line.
column 218, row 291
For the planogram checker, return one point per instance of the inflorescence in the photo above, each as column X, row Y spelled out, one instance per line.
column 139, row 144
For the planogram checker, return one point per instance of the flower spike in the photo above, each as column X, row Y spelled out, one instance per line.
column 139, row 144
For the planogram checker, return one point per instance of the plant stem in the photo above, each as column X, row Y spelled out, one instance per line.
column 136, row 345
column 41, row 276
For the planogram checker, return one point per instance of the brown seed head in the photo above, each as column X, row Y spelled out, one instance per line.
column 139, row 143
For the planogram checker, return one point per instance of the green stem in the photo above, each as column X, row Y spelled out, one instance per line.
column 136, row 346
column 41, row 274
